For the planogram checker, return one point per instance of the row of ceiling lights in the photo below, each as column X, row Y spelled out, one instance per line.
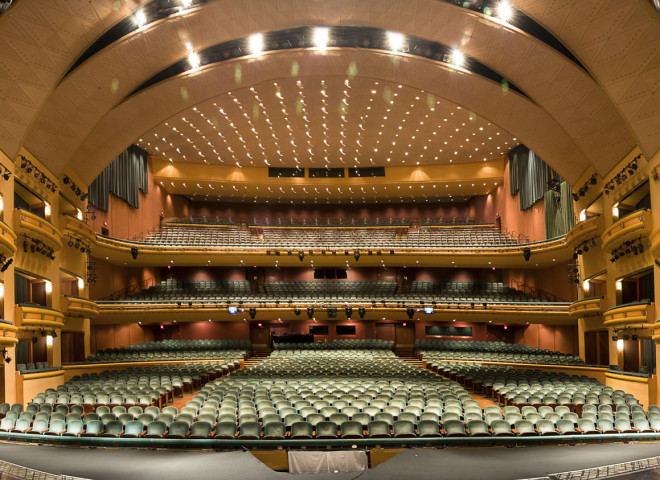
column 237, row 146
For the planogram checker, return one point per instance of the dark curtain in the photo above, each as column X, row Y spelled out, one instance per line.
column 529, row 175
column 124, row 177
column 21, row 289
column 558, row 211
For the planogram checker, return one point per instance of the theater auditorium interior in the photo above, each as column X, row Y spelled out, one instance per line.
column 385, row 239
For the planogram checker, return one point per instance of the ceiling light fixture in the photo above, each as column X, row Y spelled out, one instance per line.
column 256, row 43
column 504, row 11
column 395, row 40
column 321, row 36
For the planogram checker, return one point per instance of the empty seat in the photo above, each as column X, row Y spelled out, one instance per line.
column 225, row 430
column 133, row 429
column 326, row 429
column 301, row 430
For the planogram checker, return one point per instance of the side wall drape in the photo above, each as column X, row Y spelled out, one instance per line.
column 558, row 211
column 529, row 175
column 124, row 177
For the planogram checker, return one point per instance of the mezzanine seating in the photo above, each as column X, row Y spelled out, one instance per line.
column 439, row 350
column 173, row 290
column 227, row 350
column 326, row 234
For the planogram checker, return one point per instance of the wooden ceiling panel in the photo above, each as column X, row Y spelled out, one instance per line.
column 146, row 110
column 619, row 42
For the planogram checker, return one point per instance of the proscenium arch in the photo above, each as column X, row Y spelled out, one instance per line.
column 512, row 112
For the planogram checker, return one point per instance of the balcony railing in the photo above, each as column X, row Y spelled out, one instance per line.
column 637, row 315
column 586, row 307
column 632, row 226
column 31, row 316
column 27, row 223
column 7, row 333
column 78, row 229
column 7, row 240
column 78, row 306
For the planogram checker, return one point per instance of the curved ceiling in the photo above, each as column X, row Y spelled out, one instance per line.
column 574, row 119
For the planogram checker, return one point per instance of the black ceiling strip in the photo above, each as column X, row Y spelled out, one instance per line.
column 156, row 10
column 344, row 37
column 153, row 11
column 521, row 22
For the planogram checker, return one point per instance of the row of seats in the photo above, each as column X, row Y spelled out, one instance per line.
column 522, row 387
column 37, row 367
column 328, row 237
column 322, row 430
column 134, row 386
column 172, row 290
column 325, row 222
column 435, row 351
column 341, row 344
column 478, row 346
column 230, row 350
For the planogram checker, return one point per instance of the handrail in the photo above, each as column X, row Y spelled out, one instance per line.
column 327, row 222
column 512, row 234
column 338, row 442
column 537, row 292
column 129, row 290
column 139, row 237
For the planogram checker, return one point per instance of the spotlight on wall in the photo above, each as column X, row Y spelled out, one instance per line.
column 5, row 266
column 410, row 312
column 349, row 312
column 356, row 255
column 527, row 252
column 301, row 255
column 296, row 311
column 310, row 312
column 134, row 252
column 253, row 312
column 361, row 312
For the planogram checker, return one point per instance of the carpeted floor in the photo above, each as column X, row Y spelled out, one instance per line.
column 452, row 463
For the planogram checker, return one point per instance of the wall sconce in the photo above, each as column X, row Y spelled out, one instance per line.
column 585, row 285
column 2, row 290
column 79, row 215
column 619, row 344
column 618, row 285
column 49, row 287
column 47, row 210
column 615, row 210
column 49, row 340
column 2, row 203
column 81, row 283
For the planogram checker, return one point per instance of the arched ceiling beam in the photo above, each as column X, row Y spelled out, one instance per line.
column 142, row 112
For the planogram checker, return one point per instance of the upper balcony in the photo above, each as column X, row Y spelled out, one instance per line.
column 78, row 229
column 469, row 245
column 7, row 333
column 27, row 223
column 635, row 315
column 200, row 299
column 78, row 306
column 7, row 240
column 585, row 230
column 30, row 316
column 587, row 307
column 632, row 226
